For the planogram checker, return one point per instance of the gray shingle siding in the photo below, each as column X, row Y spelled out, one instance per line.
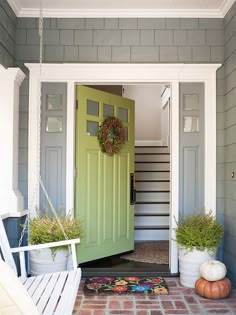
column 230, row 142
column 138, row 40
column 7, row 35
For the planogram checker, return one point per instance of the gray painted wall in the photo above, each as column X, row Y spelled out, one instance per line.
column 230, row 143
column 7, row 35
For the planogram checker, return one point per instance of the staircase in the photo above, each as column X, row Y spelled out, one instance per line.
column 152, row 179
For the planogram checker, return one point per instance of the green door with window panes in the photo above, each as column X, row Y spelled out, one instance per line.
column 103, row 189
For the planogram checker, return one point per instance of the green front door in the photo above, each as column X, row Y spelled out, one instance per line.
column 102, row 188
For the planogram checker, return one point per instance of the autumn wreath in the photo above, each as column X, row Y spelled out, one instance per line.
column 111, row 135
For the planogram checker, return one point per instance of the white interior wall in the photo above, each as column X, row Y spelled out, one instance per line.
column 148, row 115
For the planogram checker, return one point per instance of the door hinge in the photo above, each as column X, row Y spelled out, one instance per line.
column 77, row 104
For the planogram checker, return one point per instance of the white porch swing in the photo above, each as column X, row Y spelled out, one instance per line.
column 47, row 294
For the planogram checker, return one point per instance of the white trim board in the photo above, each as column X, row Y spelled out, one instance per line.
column 134, row 74
column 118, row 11
column 146, row 143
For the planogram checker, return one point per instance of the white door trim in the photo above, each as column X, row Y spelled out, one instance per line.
column 126, row 74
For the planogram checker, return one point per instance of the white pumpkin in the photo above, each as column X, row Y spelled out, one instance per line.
column 213, row 270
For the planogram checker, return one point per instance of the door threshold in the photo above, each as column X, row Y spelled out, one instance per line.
column 98, row 272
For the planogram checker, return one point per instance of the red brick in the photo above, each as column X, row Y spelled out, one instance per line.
column 147, row 306
column 195, row 309
column 180, row 305
column 85, row 312
column 142, row 312
column 94, row 302
column 121, row 312
column 173, row 312
column 114, row 305
column 146, row 302
column 172, row 284
column 170, row 297
column 94, row 306
column 188, row 291
column 128, row 304
column 219, row 311
column 99, row 312
column 167, row 305
column 190, row 299
column 156, row 312
column 89, row 298
column 140, row 297
column 214, row 306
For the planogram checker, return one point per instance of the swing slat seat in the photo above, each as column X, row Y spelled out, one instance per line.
column 49, row 294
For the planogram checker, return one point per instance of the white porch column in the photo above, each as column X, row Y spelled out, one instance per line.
column 11, row 198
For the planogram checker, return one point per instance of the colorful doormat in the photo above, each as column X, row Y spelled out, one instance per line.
column 125, row 285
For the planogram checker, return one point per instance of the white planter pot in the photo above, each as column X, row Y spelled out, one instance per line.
column 189, row 265
column 41, row 261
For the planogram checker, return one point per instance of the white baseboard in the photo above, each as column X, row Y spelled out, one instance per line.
column 148, row 143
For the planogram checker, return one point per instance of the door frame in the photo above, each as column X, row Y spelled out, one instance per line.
column 116, row 74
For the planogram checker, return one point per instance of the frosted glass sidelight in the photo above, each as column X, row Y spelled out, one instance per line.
column 191, row 102
column 54, row 102
column 191, row 124
column 54, row 124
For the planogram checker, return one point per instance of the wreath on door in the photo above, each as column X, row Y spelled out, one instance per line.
column 111, row 135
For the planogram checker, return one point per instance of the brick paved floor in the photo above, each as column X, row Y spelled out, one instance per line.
column 180, row 301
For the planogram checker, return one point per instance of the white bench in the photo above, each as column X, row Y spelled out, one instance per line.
column 49, row 294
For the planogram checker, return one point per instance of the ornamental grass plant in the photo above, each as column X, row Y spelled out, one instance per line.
column 199, row 230
column 44, row 228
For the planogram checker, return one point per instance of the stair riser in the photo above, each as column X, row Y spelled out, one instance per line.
column 152, row 166
column 152, row 185
column 151, row 235
column 152, row 176
column 150, row 221
column 151, row 150
column 152, row 158
column 152, row 196
column 152, row 208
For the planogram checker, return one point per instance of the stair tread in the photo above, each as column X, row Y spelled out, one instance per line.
column 147, row 171
column 150, row 153
column 141, row 214
column 152, row 202
column 152, row 181
column 151, row 146
column 149, row 162
column 152, row 191
column 152, row 227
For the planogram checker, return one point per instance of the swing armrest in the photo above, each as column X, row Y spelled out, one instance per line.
column 45, row 245
column 23, row 249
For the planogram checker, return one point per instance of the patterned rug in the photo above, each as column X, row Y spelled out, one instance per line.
column 125, row 285
column 154, row 252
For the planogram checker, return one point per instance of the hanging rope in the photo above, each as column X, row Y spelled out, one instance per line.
column 41, row 36
column 41, row 184
column 52, row 207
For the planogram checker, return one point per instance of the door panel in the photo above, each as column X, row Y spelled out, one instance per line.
column 53, row 144
column 103, row 182
column 191, row 147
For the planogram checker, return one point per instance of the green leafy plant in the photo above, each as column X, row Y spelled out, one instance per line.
column 199, row 230
column 44, row 228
